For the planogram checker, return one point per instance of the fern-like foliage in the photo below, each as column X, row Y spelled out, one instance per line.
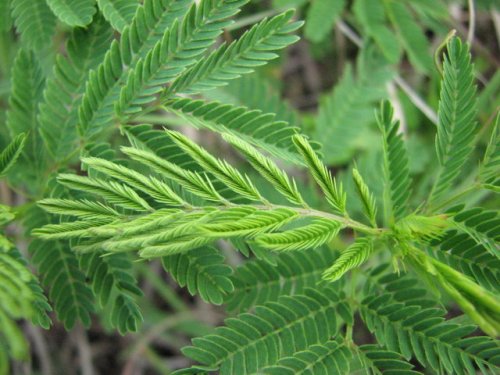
column 175, row 51
column 462, row 252
column 393, row 27
column 257, row 281
column 321, row 16
column 253, row 49
column 397, row 319
column 256, row 92
column 396, row 167
column 27, row 87
column 410, row 35
column 369, row 204
column 35, row 22
column 457, row 110
column 69, row 294
column 257, row 128
column 345, row 114
column 350, row 258
column 329, row 358
column 482, row 226
column 377, row 360
column 333, row 191
column 372, row 16
column 96, row 110
column 269, row 170
column 19, row 293
column 276, row 330
column 119, row 13
column 489, row 168
column 203, row 272
column 319, row 232
column 115, row 288
column 63, row 92
column 313, row 279
column 73, row 13
column 9, row 155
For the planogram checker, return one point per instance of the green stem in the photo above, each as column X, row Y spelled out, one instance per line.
column 468, row 286
column 473, row 299
column 307, row 212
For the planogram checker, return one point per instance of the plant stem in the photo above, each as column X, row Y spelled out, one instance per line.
column 307, row 212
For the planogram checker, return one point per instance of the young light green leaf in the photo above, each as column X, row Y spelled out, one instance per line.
column 157, row 189
column 268, row 169
column 221, row 169
column 334, row 193
column 251, row 224
column 81, row 208
column 112, row 191
column 352, row 257
column 189, row 180
column 366, row 196
column 310, row 236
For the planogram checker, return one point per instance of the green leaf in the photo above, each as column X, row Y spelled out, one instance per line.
column 321, row 18
column 250, row 342
column 250, row 224
column 328, row 358
column 352, row 257
column 268, row 169
column 411, row 35
column 241, row 57
column 371, row 15
column 193, row 182
column 180, row 46
column 73, row 12
column 10, row 154
column 152, row 186
column 35, row 22
column 119, row 13
column 203, row 272
column 405, row 326
column 346, row 113
column 310, row 236
column 221, row 169
column 64, row 89
column 334, row 193
column 253, row 126
column 257, row 281
column 457, row 126
column 58, row 265
column 148, row 26
column 396, row 165
column 382, row 361
column 488, row 172
column 115, row 288
column 27, row 87
column 366, row 196
column 113, row 192
column 81, row 208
